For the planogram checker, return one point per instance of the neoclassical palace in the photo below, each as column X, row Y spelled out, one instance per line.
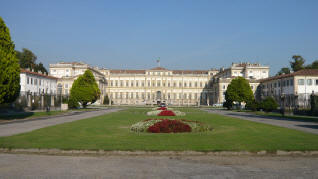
column 156, row 85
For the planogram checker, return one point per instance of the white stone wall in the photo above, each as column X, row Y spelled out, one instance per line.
column 37, row 84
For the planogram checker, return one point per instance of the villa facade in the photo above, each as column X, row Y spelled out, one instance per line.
column 156, row 85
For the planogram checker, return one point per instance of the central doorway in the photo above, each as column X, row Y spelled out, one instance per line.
column 158, row 97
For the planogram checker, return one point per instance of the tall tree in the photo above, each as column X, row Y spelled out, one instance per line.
column 9, row 67
column 27, row 58
column 239, row 90
column 314, row 65
column 85, row 89
column 40, row 68
column 284, row 70
column 298, row 63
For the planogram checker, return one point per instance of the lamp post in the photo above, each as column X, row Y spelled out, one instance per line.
column 282, row 98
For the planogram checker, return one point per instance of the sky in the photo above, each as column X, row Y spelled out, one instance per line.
column 184, row 34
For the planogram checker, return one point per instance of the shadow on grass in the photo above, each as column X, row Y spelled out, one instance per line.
column 272, row 116
column 20, row 115
column 309, row 126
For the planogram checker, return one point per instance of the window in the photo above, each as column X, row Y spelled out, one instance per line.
column 300, row 81
column 175, row 84
column 291, row 82
column 168, row 84
column 185, row 84
column 148, row 83
column 28, row 80
column 309, row 81
column 223, row 86
column 127, row 83
column 252, row 87
column 132, row 83
column 137, row 83
column 158, row 82
column 287, row 82
column 142, row 84
column 36, row 81
column 180, row 84
column 316, row 82
column 196, row 84
column 66, row 85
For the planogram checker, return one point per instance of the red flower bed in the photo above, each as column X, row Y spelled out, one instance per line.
column 162, row 108
column 166, row 113
column 168, row 126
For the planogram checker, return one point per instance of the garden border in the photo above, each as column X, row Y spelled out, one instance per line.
column 155, row 153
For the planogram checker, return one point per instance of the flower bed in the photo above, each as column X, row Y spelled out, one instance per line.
column 162, row 108
column 169, row 125
column 166, row 113
column 157, row 112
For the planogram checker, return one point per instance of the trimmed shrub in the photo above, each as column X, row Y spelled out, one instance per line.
column 73, row 104
column 252, row 105
column 166, row 113
column 269, row 104
column 169, row 126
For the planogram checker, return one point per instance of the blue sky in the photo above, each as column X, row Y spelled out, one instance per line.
column 185, row 34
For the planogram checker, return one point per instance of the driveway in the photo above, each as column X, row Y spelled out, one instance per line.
column 7, row 129
column 310, row 127
column 44, row 166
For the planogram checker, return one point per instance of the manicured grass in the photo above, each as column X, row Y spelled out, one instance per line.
column 111, row 132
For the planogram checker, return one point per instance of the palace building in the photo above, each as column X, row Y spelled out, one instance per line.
column 156, row 85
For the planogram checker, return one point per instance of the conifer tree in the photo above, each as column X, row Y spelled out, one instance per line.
column 9, row 67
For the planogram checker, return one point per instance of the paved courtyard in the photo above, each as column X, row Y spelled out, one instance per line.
column 311, row 127
column 7, row 129
column 44, row 166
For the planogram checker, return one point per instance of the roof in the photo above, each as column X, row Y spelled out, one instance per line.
column 128, row 71
column 37, row 74
column 159, row 68
column 305, row 72
column 190, row 72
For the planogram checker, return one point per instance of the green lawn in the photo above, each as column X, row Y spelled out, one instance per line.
column 111, row 132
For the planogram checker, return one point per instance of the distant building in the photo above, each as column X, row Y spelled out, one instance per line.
column 253, row 72
column 152, row 86
column 67, row 72
column 297, row 86
column 156, row 85
column 37, row 83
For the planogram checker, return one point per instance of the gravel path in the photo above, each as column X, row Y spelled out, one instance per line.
column 43, row 166
column 22, row 126
column 310, row 127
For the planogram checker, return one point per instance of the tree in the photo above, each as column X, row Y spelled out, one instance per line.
column 9, row 67
column 239, row 91
column 314, row 65
column 284, row 70
column 298, row 63
column 85, row 89
column 40, row 68
column 27, row 58
column 269, row 104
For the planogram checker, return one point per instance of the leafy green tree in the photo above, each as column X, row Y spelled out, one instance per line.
column 27, row 58
column 239, row 90
column 269, row 104
column 314, row 65
column 40, row 68
column 298, row 63
column 284, row 70
column 85, row 89
column 9, row 67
